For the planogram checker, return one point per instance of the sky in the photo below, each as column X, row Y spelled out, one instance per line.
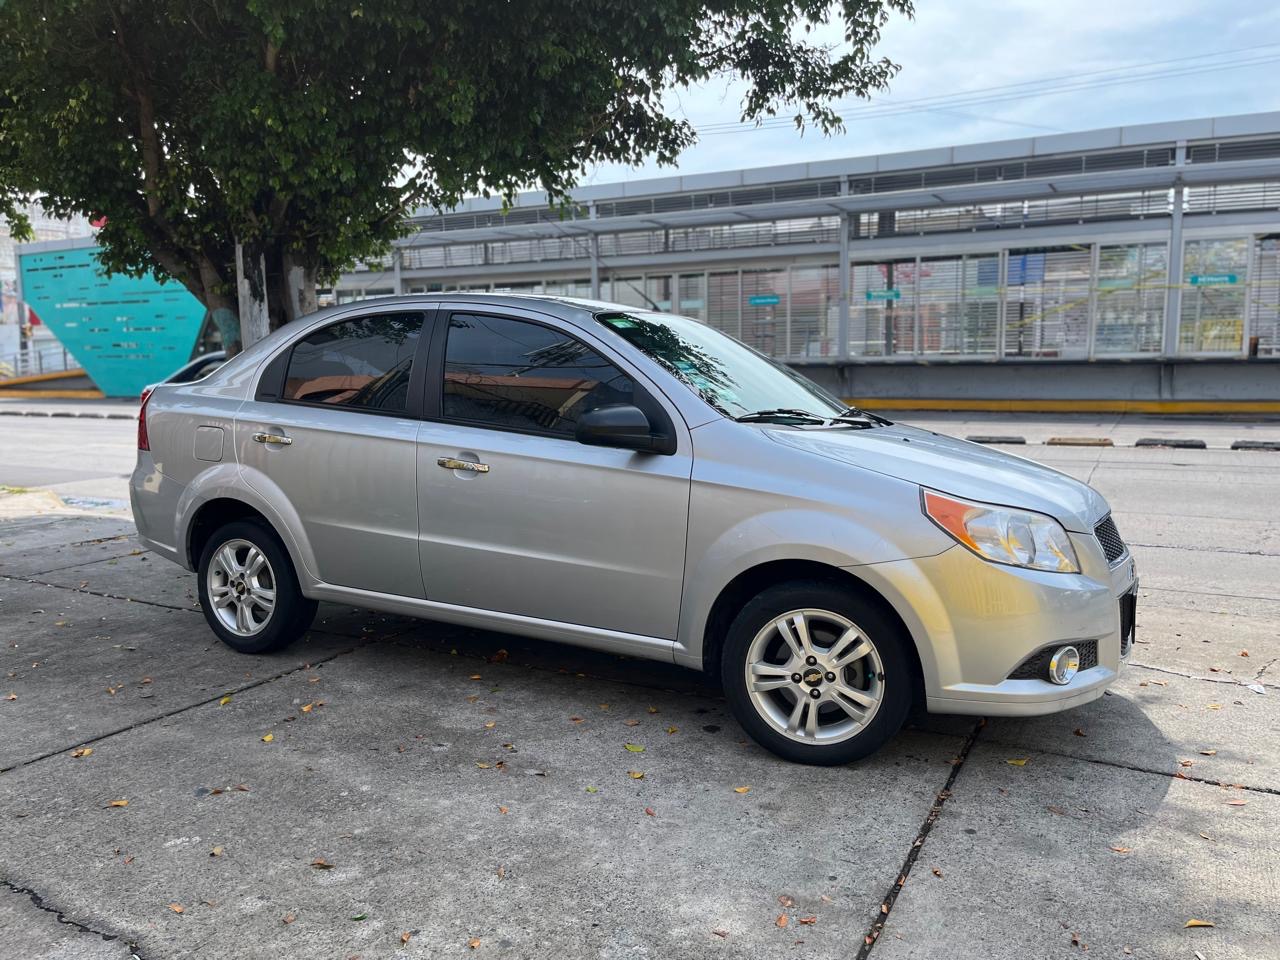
column 954, row 47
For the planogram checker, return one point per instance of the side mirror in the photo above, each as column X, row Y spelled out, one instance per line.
column 619, row 425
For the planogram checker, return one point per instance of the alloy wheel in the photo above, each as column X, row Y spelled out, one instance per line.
column 814, row 676
column 241, row 587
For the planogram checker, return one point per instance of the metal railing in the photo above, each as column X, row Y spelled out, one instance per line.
column 37, row 361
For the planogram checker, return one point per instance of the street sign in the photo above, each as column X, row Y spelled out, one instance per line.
column 893, row 293
column 764, row 300
column 1213, row 279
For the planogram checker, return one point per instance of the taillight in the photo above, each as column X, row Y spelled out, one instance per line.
column 144, row 443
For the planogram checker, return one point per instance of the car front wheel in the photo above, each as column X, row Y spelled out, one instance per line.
column 248, row 589
column 816, row 674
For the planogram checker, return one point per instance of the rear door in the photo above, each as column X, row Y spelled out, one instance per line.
column 535, row 523
column 333, row 427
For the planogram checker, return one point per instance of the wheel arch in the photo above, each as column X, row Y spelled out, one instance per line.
column 754, row 580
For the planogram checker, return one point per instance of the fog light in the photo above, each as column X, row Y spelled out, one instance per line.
column 1064, row 664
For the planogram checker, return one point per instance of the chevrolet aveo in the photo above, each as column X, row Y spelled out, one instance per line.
column 639, row 483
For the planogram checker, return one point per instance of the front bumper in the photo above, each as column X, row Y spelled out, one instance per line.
column 975, row 622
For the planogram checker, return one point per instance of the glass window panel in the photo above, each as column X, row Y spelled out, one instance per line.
column 882, row 308
column 628, row 291
column 1264, row 299
column 693, row 295
column 1131, row 285
column 363, row 363
column 959, row 305
column 523, row 376
column 724, row 303
column 1047, row 302
column 1213, row 294
column 815, row 311
column 659, row 289
column 764, row 310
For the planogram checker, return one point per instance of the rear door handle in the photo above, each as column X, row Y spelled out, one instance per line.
column 272, row 438
column 451, row 464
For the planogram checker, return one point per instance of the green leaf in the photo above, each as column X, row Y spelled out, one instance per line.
column 593, row 790
column 360, row 916
column 634, row 747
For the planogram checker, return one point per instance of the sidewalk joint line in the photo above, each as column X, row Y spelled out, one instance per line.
column 98, row 593
column 1229, row 681
column 232, row 691
column 886, row 905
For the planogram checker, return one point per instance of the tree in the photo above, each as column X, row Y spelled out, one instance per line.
column 307, row 129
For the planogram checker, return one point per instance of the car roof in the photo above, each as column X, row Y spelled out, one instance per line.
column 557, row 304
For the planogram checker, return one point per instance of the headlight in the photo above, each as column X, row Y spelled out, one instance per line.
column 1004, row 535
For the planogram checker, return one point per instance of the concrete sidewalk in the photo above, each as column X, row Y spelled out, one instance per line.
column 474, row 791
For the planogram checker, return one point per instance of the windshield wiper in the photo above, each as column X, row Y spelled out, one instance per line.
column 856, row 413
column 781, row 413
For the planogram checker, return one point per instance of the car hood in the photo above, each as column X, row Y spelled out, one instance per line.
column 957, row 467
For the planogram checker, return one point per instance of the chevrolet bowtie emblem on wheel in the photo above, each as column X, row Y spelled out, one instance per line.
column 813, row 677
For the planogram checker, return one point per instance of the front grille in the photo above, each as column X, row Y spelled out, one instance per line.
column 1112, row 543
column 1036, row 666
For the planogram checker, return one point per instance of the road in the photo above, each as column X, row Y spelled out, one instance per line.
column 418, row 780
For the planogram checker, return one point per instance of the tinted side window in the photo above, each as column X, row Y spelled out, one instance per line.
column 363, row 363
column 523, row 376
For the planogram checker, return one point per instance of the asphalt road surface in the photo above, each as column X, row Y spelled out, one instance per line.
column 398, row 788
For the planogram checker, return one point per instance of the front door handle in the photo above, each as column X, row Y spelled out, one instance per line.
column 451, row 464
column 272, row 438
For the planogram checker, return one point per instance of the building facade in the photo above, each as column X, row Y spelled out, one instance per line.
column 1131, row 267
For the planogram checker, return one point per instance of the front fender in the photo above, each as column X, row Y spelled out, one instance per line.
column 812, row 535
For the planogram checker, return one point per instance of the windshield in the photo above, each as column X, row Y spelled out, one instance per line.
column 729, row 375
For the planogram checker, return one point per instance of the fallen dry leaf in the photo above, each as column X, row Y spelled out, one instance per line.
column 722, row 934
column 671, row 730
column 576, row 719
column 1185, row 763
column 82, row 752
column 502, row 809
column 499, row 656
column 307, row 707
column 475, row 676
column 648, row 812
column 1078, row 732
column 741, row 789
column 1214, row 706
column 12, row 696
column 225, row 700
column 215, row 852
column 491, row 724
column 1208, row 753
column 807, row 921
column 118, row 803
column 936, row 872
column 1244, row 653
column 473, row 942
column 320, row 863
column 483, row 766
column 502, row 872
column 1198, row 923
column 653, row 709
column 1118, row 849
column 1054, row 808
column 177, row 908
column 406, row 936
column 635, row 774
column 631, row 723
column 1237, row 803
column 1207, row 837
column 268, row 738
column 1018, row 761
column 289, row 918
column 782, row 920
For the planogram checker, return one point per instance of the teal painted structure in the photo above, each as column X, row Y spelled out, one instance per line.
column 125, row 332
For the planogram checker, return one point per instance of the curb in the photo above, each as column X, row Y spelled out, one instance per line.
column 1256, row 445
column 74, row 414
column 1080, row 442
column 982, row 438
column 1180, row 444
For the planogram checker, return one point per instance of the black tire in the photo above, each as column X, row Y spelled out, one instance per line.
column 292, row 614
column 896, row 677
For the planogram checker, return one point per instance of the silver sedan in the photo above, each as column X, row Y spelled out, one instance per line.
column 640, row 483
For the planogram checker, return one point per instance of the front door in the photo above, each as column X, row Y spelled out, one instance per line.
column 331, row 435
column 515, row 515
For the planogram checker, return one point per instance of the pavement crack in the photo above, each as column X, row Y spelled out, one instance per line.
column 886, row 905
column 190, row 706
column 99, row 593
column 41, row 904
column 1229, row 681
column 1134, row 768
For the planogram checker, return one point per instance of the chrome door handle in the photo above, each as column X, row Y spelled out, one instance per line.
column 451, row 464
column 272, row 438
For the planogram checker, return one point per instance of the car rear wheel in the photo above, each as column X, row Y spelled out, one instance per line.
column 816, row 674
column 248, row 589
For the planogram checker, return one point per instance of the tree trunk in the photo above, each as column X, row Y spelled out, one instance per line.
column 251, row 285
column 299, row 287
